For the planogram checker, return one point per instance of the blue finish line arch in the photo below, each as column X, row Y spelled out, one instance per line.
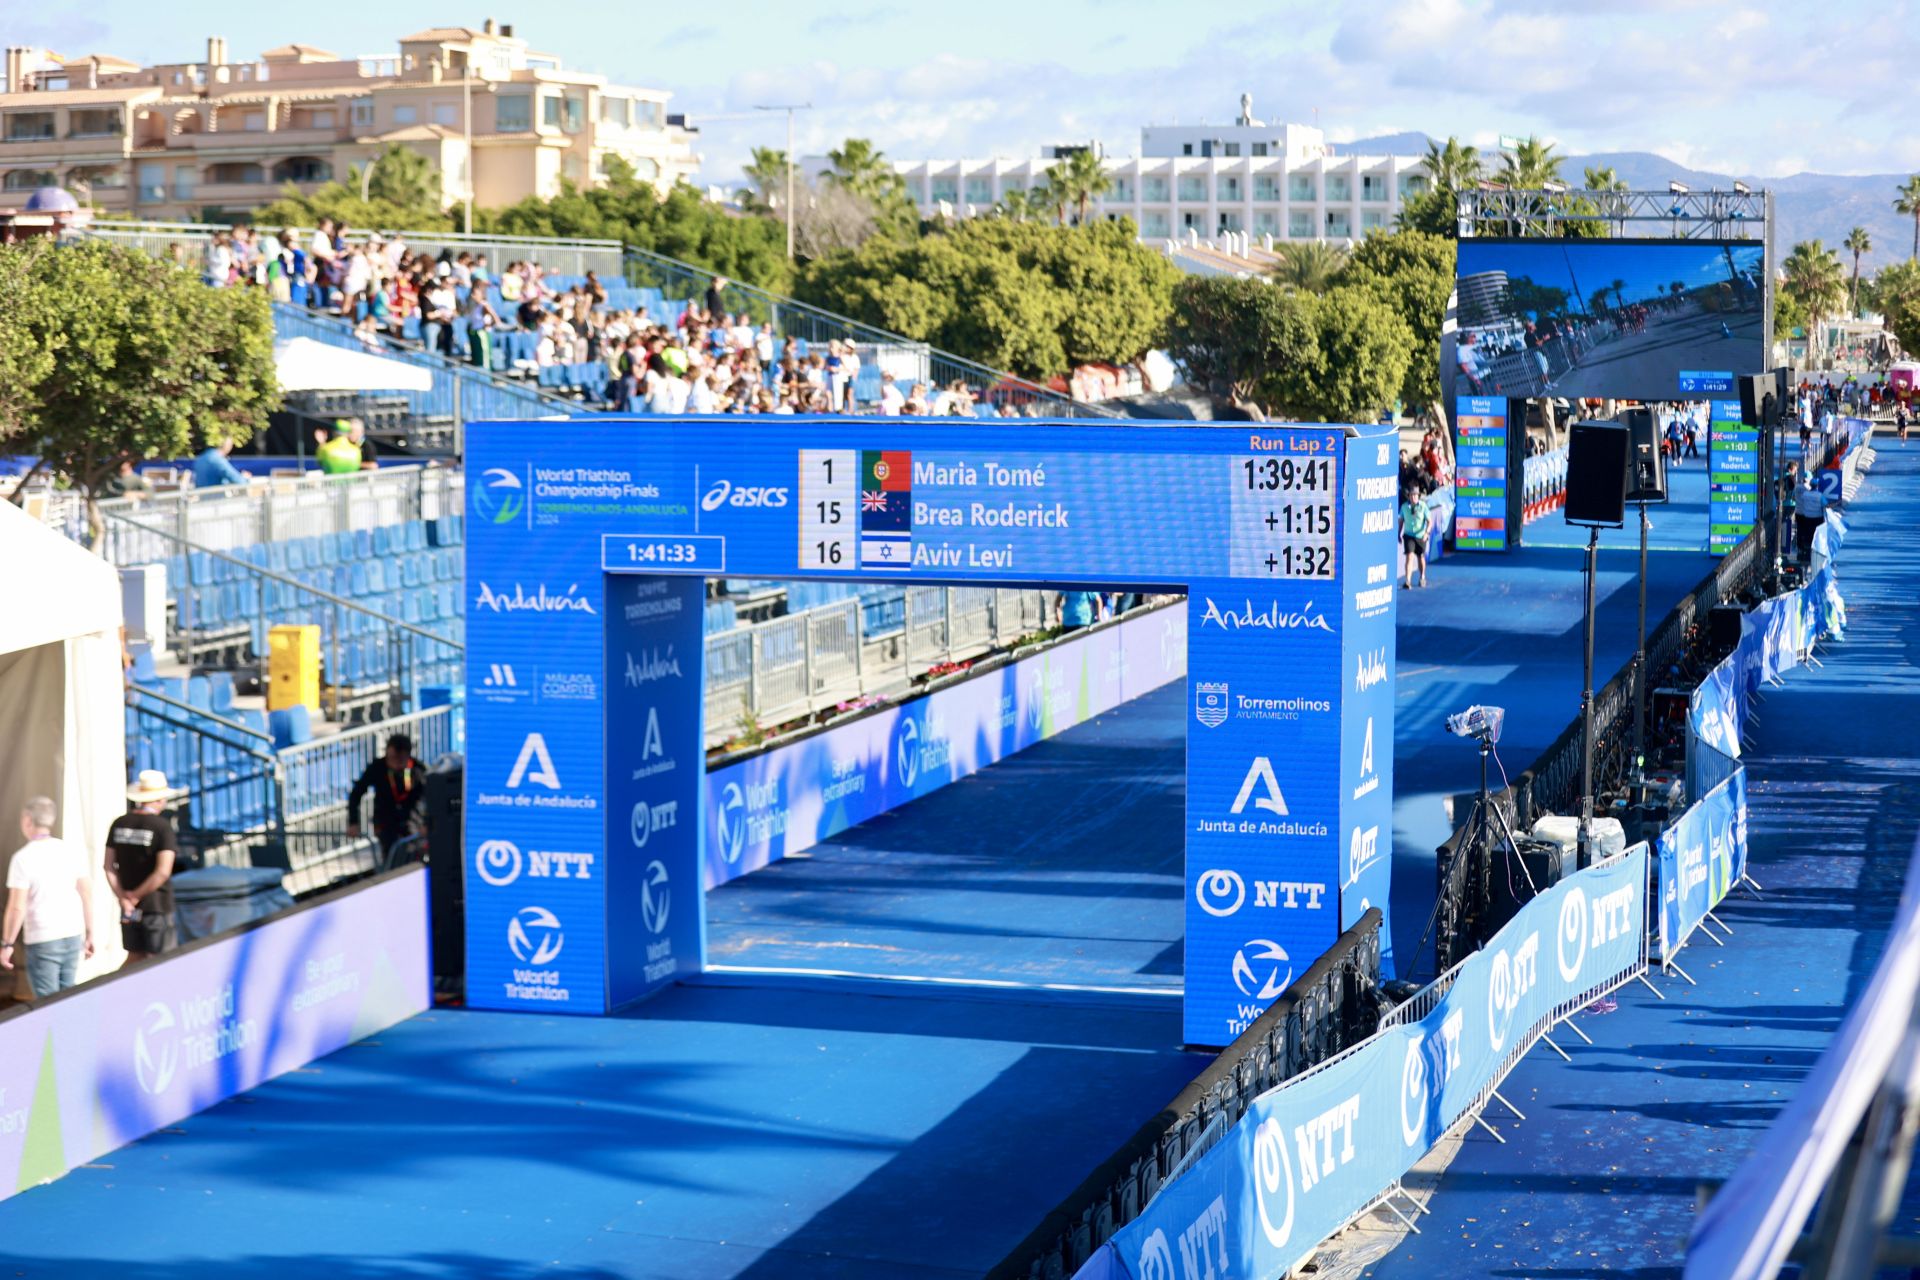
column 588, row 546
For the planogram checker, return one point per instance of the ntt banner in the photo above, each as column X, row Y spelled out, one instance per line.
column 113, row 1061
column 1319, row 1149
column 783, row 801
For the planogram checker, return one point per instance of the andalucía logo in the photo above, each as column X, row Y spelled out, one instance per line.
column 1273, row 618
column 541, row 601
column 499, row 497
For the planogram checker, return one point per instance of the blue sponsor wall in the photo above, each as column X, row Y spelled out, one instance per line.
column 1278, row 534
column 783, row 801
column 1314, row 1152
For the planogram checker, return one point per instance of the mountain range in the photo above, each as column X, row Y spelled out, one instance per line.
column 1808, row 206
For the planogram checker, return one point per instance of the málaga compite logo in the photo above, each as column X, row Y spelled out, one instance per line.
column 500, row 498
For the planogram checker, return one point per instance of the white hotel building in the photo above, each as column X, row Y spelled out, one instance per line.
column 1280, row 180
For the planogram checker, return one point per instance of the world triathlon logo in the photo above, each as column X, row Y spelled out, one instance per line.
column 534, row 936
column 156, row 1050
column 500, row 498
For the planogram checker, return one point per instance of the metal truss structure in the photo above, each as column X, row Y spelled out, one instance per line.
column 1680, row 215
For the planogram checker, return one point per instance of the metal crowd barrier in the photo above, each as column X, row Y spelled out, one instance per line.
column 572, row 257
column 1551, row 784
column 319, row 774
column 804, row 662
column 233, row 517
column 1327, row 1012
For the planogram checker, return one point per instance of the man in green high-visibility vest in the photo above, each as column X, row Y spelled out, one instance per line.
column 340, row 456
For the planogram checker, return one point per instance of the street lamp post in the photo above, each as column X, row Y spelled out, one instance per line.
column 789, row 108
column 466, row 121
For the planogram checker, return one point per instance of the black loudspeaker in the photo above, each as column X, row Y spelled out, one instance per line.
column 1723, row 628
column 1519, row 875
column 1597, row 474
column 446, row 871
column 1647, row 476
column 1753, row 394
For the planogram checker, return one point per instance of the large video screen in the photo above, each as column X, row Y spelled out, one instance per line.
column 1624, row 319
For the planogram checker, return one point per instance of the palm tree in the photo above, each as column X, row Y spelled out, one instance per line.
column 1018, row 205
column 1307, row 265
column 1908, row 202
column 1609, row 183
column 1618, row 296
column 1813, row 278
column 863, row 169
column 767, row 171
column 399, row 175
column 1530, row 165
column 1857, row 242
column 1452, row 166
column 1078, row 179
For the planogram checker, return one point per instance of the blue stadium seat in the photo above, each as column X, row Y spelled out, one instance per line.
column 220, row 690
column 291, row 726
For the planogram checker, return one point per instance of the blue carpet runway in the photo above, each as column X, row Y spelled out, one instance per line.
column 1601, row 1177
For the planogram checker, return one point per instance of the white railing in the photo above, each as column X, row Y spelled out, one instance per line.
column 802, row 663
column 234, row 517
column 187, row 242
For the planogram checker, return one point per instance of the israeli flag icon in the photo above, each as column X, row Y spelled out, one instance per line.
column 1210, row 704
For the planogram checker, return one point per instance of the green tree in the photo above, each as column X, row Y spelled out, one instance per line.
column 1450, row 168
column 767, row 171
column 1030, row 298
column 1907, row 201
column 1413, row 272
column 1077, row 180
column 1857, row 242
column 142, row 360
column 1312, row 265
column 1236, row 338
column 1896, row 292
column 863, row 169
column 1812, row 277
column 681, row 224
column 400, row 176
column 1362, row 350
column 1021, row 205
column 1530, row 165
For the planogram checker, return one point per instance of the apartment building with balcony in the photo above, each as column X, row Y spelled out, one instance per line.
column 1280, row 180
column 215, row 139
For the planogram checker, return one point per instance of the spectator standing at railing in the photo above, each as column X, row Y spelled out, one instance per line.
column 1809, row 511
column 481, row 318
column 141, row 847
column 49, row 904
column 397, row 782
column 211, row 468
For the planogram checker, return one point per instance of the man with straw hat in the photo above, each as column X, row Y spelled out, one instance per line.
column 141, row 847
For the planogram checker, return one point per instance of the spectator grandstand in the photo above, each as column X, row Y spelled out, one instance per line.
column 592, row 323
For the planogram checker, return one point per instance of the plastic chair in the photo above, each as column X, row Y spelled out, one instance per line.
column 291, row 726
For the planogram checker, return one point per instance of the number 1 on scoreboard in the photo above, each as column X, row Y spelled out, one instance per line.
column 829, row 509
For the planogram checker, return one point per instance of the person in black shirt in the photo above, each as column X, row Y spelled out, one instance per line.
column 140, row 851
column 397, row 781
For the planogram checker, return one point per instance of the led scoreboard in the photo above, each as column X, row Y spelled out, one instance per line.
column 588, row 543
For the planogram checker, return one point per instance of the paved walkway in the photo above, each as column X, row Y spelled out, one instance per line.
column 1600, row 1178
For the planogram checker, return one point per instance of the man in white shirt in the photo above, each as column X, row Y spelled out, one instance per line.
column 49, row 904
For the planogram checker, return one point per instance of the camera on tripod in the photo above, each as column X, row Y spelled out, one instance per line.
column 1479, row 723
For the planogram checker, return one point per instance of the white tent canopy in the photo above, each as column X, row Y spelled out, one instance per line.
column 62, row 701
column 306, row 364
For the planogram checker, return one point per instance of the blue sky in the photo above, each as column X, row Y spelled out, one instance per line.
column 995, row 77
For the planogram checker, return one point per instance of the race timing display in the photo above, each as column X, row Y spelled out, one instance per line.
column 588, row 546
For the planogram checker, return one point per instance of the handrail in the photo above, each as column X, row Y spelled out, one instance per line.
column 204, row 714
column 273, row 575
column 475, row 237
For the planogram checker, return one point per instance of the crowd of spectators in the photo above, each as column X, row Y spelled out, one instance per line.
column 705, row 358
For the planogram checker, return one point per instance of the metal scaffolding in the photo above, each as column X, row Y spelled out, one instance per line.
column 1680, row 215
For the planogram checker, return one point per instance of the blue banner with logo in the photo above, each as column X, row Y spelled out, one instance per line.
column 786, row 800
column 654, row 711
column 1366, row 708
column 1318, row 1149
column 1701, row 857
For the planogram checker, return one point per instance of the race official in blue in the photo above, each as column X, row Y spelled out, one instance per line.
column 211, row 469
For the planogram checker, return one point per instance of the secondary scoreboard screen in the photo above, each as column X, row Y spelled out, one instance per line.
column 980, row 510
column 1733, row 465
column 1480, row 475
